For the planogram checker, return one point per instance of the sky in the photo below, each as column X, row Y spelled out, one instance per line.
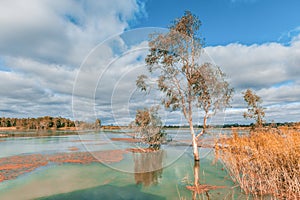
column 79, row 59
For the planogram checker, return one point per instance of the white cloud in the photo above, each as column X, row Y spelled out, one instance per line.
column 271, row 69
column 288, row 36
column 60, row 31
column 42, row 44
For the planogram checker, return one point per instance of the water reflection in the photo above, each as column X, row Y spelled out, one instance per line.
column 148, row 167
column 196, row 185
column 199, row 191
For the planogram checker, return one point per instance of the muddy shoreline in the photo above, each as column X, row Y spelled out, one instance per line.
column 14, row 166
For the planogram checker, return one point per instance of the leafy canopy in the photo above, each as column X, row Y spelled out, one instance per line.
column 185, row 81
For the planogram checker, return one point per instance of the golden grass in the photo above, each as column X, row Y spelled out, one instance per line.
column 265, row 163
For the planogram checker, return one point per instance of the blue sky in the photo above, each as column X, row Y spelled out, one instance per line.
column 79, row 58
column 228, row 21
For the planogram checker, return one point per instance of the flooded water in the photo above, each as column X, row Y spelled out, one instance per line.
column 155, row 175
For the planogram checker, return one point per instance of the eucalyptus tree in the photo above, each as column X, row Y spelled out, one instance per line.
column 254, row 109
column 175, row 57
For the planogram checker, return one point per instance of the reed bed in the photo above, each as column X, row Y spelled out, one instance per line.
column 265, row 163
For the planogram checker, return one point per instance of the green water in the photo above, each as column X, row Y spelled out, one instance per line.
column 96, row 181
column 131, row 178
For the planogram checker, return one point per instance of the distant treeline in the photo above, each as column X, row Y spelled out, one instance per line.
column 289, row 124
column 214, row 126
column 273, row 124
column 46, row 122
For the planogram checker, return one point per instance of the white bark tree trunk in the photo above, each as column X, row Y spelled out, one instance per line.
column 194, row 142
column 204, row 123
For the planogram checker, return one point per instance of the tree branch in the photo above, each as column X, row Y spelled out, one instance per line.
column 199, row 134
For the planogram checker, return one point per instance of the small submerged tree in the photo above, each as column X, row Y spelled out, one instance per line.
column 254, row 110
column 97, row 123
column 186, row 83
column 148, row 126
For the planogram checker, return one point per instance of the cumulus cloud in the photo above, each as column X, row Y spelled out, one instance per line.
column 49, row 52
column 271, row 69
column 43, row 43
column 60, row 31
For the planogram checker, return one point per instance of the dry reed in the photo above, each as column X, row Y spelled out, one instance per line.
column 265, row 163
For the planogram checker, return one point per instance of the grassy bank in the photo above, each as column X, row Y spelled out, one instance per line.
column 265, row 163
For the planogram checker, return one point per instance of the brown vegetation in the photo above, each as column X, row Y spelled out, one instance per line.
column 73, row 148
column 141, row 150
column 133, row 140
column 201, row 188
column 265, row 163
column 14, row 166
column 112, row 127
column 8, row 129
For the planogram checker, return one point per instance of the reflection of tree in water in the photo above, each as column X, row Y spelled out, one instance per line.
column 148, row 167
column 198, row 188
